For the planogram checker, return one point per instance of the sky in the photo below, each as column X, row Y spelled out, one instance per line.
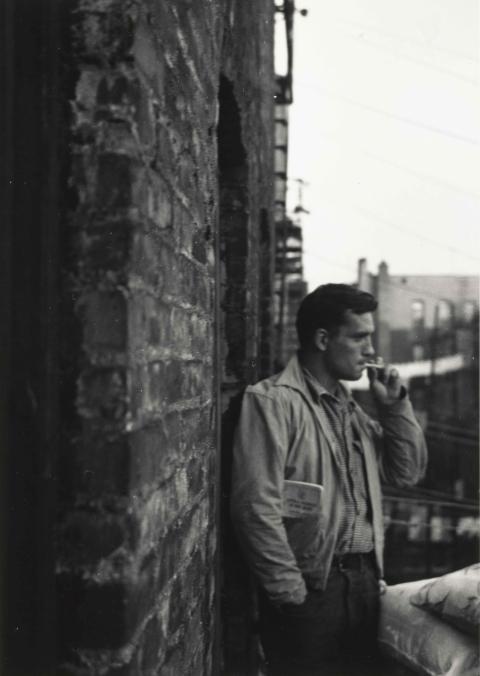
column 385, row 133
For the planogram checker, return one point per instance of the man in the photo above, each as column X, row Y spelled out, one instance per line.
column 319, row 574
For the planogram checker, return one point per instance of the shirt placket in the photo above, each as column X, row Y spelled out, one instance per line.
column 350, row 477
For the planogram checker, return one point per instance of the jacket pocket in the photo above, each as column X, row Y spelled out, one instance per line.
column 304, row 535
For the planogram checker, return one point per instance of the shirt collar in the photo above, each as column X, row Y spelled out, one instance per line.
column 342, row 397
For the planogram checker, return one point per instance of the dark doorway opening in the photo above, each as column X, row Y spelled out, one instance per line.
column 237, row 607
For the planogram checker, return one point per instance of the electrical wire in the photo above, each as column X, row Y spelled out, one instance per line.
column 394, row 116
column 418, row 524
column 447, row 426
column 371, row 215
column 418, row 62
column 442, row 436
column 334, row 139
column 402, row 38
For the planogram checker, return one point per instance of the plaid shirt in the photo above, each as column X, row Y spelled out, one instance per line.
column 356, row 532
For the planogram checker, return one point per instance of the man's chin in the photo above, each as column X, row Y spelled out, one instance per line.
column 353, row 376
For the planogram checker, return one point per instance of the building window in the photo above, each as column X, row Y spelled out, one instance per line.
column 444, row 313
column 418, row 313
column 418, row 352
column 468, row 311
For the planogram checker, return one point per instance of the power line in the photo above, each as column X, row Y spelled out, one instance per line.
column 471, row 434
column 441, row 436
column 402, row 38
column 456, row 433
column 378, row 111
column 427, row 496
column 405, row 57
column 421, row 175
column 371, row 215
column 418, row 524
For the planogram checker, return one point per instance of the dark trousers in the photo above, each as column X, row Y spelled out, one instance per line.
column 333, row 633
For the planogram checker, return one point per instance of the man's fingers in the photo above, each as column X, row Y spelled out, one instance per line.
column 393, row 382
column 393, row 377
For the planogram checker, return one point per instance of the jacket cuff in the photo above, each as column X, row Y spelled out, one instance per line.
column 296, row 596
column 401, row 405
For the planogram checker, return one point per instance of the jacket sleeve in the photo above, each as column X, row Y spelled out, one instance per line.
column 403, row 456
column 259, row 455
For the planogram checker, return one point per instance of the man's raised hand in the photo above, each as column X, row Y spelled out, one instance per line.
column 385, row 390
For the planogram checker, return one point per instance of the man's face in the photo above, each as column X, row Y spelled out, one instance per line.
column 347, row 350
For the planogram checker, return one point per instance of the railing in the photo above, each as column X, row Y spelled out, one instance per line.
column 427, row 536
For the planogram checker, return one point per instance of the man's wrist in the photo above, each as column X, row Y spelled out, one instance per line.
column 393, row 401
column 295, row 598
column 293, row 604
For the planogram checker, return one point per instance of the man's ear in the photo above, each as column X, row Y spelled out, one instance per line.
column 320, row 339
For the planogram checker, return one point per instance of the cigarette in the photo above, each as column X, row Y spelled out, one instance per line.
column 378, row 364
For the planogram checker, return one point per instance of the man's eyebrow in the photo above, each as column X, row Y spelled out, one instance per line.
column 361, row 334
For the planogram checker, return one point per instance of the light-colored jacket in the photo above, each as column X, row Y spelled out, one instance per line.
column 282, row 434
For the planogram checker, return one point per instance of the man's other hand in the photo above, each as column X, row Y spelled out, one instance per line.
column 386, row 390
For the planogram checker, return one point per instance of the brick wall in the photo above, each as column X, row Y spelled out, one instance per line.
column 137, row 537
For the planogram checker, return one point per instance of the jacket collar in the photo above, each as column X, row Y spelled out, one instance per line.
column 293, row 376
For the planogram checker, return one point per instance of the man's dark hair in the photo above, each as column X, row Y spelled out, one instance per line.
column 325, row 308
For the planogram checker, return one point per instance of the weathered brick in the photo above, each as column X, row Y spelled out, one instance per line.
column 92, row 615
column 197, row 425
column 180, row 329
column 106, row 244
column 122, row 670
column 199, row 247
column 145, row 117
column 162, row 509
column 154, row 642
column 102, row 394
column 185, row 227
column 103, row 467
column 147, row 52
column 105, row 320
column 97, row 466
column 177, row 545
column 159, row 201
column 115, row 177
column 202, row 331
column 143, row 594
column 87, row 537
column 118, row 136
column 167, row 382
column 187, row 591
column 146, row 217
column 145, row 261
column 196, row 475
column 117, row 89
column 155, row 451
column 104, row 35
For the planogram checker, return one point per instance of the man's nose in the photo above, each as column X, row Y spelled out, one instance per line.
column 368, row 350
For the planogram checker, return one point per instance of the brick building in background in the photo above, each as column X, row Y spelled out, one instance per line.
column 427, row 325
column 137, row 275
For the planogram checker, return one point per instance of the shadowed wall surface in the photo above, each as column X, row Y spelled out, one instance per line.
column 127, row 333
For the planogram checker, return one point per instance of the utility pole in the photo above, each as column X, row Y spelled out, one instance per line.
column 299, row 209
column 433, row 359
column 283, row 291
